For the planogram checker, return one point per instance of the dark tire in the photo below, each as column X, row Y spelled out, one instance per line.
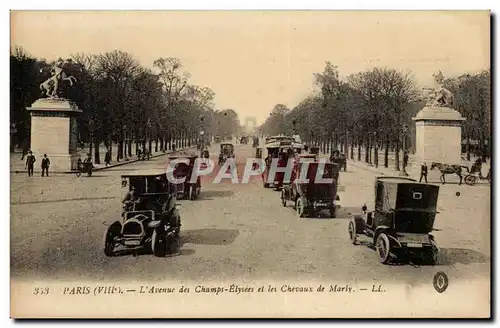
column 111, row 233
column 89, row 173
column 383, row 246
column 158, row 242
column 78, row 174
column 333, row 212
column 192, row 193
column 266, row 185
column 300, row 207
column 283, row 198
column 352, row 233
column 470, row 180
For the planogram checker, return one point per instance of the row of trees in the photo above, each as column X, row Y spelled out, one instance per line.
column 123, row 102
column 373, row 109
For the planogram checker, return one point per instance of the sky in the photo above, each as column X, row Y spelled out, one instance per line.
column 253, row 60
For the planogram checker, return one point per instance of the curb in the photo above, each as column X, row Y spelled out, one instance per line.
column 113, row 165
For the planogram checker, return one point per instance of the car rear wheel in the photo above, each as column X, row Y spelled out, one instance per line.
column 158, row 243
column 283, row 199
column 333, row 211
column 352, row 233
column 383, row 246
column 300, row 207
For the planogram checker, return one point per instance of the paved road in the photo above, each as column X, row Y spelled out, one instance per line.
column 234, row 231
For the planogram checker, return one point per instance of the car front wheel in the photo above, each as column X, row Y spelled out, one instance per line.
column 383, row 246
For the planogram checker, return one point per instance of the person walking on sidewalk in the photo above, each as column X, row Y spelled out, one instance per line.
column 423, row 172
column 107, row 158
column 45, row 165
column 30, row 162
column 405, row 159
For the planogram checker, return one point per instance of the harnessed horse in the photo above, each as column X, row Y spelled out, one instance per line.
column 449, row 169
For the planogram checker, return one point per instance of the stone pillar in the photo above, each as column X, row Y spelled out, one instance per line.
column 438, row 135
column 54, row 132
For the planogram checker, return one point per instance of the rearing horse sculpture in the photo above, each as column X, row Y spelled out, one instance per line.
column 449, row 169
column 51, row 87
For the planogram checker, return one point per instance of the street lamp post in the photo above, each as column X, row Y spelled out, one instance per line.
column 91, row 128
column 404, row 132
column 202, row 133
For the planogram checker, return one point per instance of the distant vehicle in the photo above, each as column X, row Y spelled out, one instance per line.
column 312, row 196
column 226, row 151
column 401, row 224
column 244, row 140
column 151, row 220
column 186, row 190
column 255, row 141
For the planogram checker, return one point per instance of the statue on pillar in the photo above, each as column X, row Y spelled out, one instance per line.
column 52, row 86
column 443, row 96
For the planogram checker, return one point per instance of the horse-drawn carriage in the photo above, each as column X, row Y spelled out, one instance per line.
column 402, row 221
column 318, row 190
column 475, row 173
column 150, row 217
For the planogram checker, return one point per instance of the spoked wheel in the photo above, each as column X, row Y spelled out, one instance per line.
column 158, row 242
column 352, row 233
column 300, row 207
column 383, row 246
column 283, row 199
column 470, row 180
column 111, row 233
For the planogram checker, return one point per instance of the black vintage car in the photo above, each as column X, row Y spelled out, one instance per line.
column 150, row 217
column 317, row 193
column 226, row 151
column 400, row 226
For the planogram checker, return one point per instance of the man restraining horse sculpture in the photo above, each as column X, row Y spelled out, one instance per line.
column 51, row 87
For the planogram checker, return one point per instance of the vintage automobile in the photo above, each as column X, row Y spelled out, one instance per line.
column 226, row 151
column 255, row 142
column 339, row 158
column 217, row 139
column 314, row 150
column 186, row 190
column 151, row 220
column 401, row 224
column 83, row 167
column 312, row 196
column 244, row 140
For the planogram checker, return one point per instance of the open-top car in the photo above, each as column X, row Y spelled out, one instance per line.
column 150, row 217
column 402, row 221
column 187, row 189
column 312, row 192
column 226, row 151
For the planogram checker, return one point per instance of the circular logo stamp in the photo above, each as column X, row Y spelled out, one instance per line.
column 440, row 282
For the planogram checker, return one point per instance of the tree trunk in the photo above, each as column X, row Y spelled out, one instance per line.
column 367, row 148
column 359, row 149
column 150, row 145
column 396, row 155
column 130, row 147
column 352, row 149
column 97, row 159
column 386, row 152
column 110, row 148
column 375, row 155
column 156, row 144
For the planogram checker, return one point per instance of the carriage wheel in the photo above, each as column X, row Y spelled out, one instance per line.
column 300, row 206
column 470, row 180
column 383, row 246
column 352, row 233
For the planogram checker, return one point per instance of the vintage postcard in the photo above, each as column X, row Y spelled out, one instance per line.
column 250, row 164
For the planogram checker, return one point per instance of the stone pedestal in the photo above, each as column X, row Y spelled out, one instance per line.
column 54, row 132
column 438, row 135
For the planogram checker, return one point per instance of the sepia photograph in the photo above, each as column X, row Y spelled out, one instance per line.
column 250, row 164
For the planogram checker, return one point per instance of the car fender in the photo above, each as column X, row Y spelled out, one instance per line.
column 384, row 228
column 359, row 223
column 154, row 224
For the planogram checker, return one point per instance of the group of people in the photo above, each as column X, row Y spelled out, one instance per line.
column 30, row 164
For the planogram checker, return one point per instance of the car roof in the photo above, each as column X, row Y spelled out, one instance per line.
column 145, row 173
column 389, row 179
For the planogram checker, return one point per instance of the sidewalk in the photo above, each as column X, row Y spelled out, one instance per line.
column 18, row 166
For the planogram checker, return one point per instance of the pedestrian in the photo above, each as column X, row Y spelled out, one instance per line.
column 30, row 162
column 107, row 158
column 423, row 172
column 405, row 159
column 45, row 165
column 24, row 149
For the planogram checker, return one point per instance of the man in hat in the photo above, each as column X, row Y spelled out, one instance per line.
column 45, row 165
column 30, row 162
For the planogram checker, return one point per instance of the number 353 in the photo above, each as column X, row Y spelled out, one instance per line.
column 41, row 291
